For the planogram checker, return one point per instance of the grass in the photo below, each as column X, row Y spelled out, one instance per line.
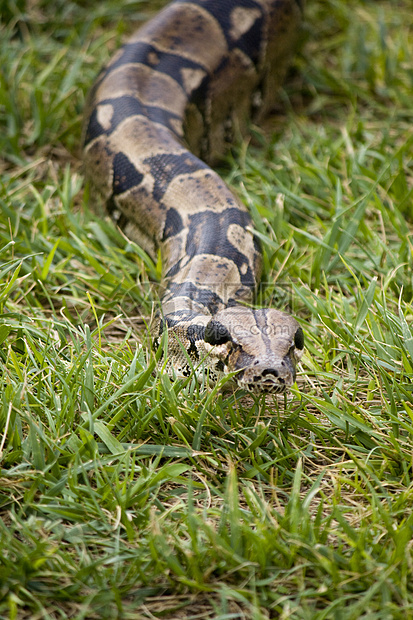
column 124, row 495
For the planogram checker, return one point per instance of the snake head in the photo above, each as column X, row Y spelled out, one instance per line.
column 261, row 346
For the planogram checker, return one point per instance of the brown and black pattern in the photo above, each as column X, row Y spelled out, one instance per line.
column 172, row 98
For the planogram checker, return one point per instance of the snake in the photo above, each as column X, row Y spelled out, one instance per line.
column 161, row 113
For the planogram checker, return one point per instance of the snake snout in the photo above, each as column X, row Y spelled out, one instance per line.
column 268, row 378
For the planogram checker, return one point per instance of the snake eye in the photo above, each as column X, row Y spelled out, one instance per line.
column 216, row 333
column 299, row 339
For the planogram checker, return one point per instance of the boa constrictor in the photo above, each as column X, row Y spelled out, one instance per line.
column 170, row 99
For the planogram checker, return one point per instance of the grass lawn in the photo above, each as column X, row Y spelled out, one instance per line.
column 126, row 495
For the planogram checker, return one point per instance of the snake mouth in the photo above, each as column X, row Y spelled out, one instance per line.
column 273, row 380
column 265, row 387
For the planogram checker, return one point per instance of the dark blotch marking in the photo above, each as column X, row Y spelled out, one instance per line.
column 194, row 333
column 208, row 299
column 124, row 107
column 166, row 62
column 173, row 224
column 166, row 166
column 192, row 350
column 208, row 235
column 186, row 372
column 125, row 175
column 250, row 42
column 177, row 318
column 216, row 333
column 299, row 339
column 220, row 366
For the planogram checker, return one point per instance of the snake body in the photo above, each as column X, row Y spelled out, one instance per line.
column 170, row 100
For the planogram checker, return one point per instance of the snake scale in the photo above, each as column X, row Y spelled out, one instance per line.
column 181, row 89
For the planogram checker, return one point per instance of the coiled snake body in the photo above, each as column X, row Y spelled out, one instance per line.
column 171, row 98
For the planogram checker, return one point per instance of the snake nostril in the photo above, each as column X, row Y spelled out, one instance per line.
column 270, row 371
